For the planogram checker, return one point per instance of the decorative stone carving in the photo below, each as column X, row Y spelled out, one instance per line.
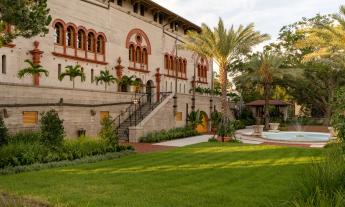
column 36, row 60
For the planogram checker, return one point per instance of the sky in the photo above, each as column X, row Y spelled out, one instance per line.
column 267, row 15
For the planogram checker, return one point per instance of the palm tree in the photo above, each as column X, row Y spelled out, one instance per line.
column 124, row 82
column 326, row 40
column 33, row 70
column 73, row 72
column 106, row 78
column 262, row 70
column 223, row 46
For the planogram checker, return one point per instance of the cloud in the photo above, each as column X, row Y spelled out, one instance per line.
column 268, row 15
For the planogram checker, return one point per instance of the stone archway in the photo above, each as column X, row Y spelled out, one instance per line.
column 203, row 128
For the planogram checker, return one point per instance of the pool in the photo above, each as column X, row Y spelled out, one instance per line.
column 297, row 136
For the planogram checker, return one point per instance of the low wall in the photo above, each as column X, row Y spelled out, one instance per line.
column 80, row 108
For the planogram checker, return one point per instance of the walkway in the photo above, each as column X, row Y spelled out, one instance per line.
column 185, row 141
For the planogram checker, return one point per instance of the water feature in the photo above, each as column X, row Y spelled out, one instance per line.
column 297, row 136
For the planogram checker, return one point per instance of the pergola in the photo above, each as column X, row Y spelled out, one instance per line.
column 257, row 107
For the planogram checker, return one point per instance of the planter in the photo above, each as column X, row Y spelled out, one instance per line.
column 274, row 127
column 258, row 129
column 333, row 132
column 132, row 89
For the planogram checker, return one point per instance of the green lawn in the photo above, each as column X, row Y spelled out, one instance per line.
column 210, row 174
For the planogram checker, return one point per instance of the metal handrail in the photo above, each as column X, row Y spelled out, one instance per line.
column 135, row 111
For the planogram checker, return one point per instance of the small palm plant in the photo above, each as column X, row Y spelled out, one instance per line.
column 106, row 78
column 33, row 70
column 124, row 82
column 195, row 119
column 73, row 72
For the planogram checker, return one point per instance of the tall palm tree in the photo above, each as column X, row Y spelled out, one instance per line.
column 73, row 72
column 262, row 70
column 106, row 78
column 223, row 46
column 33, row 70
column 326, row 40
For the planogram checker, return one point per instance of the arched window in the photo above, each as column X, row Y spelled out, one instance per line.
column 100, row 45
column 144, row 57
column 185, row 67
column 138, row 55
column 166, row 62
column 3, row 64
column 181, row 66
column 131, row 53
column 172, row 64
column 70, row 37
column 81, row 39
column 58, row 34
column 91, row 42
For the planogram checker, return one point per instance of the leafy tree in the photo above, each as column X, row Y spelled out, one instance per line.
column 263, row 69
column 289, row 35
column 33, row 70
column 73, row 72
column 108, row 132
column 326, row 39
column 29, row 18
column 52, row 129
column 3, row 132
column 106, row 78
column 338, row 118
column 315, row 84
column 223, row 46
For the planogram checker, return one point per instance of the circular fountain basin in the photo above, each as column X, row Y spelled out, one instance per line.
column 297, row 136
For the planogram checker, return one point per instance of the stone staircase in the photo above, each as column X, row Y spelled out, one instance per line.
column 135, row 114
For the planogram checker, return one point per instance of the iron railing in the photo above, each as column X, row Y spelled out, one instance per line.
column 136, row 112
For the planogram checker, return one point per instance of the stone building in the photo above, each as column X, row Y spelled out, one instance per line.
column 126, row 37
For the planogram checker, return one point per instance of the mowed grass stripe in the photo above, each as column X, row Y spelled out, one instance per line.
column 209, row 174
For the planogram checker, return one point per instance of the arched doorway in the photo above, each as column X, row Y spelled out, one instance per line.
column 203, row 128
column 149, row 90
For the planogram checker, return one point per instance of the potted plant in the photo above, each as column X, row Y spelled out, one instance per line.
column 135, row 86
column 274, row 125
column 124, row 83
column 258, row 128
column 216, row 118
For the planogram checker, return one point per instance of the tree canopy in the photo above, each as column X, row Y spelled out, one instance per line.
column 28, row 17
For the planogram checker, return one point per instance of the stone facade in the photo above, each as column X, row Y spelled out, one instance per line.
column 99, row 35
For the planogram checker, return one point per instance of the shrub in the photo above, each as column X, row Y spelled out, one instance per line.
column 21, row 153
column 108, row 132
column 52, row 129
column 14, row 154
column 238, row 124
column 164, row 135
column 25, row 137
column 3, row 132
column 324, row 182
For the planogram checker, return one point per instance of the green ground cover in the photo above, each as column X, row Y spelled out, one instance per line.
column 209, row 174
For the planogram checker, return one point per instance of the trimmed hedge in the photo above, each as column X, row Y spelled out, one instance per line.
column 171, row 134
column 19, row 153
